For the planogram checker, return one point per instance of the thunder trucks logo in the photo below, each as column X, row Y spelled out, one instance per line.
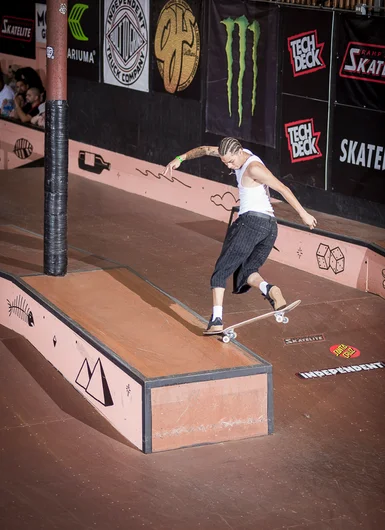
column 302, row 140
column 126, row 40
column 365, row 62
column 240, row 27
column 305, row 53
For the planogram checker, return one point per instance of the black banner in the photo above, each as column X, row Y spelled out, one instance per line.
column 306, row 52
column 17, row 30
column 242, row 71
column 303, row 140
column 361, row 61
column 83, row 57
column 177, row 47
column 358, row 160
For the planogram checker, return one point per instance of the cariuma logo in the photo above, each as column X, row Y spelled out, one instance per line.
column 74, row 18
column 243, row 26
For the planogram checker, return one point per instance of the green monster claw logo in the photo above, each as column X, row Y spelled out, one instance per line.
column 243, row 25
column 74, row 21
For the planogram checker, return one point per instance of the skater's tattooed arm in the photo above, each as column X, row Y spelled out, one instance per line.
column 197, row 152
column 204, row 150
column 262, row 175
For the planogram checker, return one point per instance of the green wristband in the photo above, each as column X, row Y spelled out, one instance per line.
column 179, row 158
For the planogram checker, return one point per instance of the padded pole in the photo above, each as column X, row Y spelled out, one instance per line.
column 56, row 142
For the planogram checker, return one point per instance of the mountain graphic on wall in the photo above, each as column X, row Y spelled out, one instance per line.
column 95, row 383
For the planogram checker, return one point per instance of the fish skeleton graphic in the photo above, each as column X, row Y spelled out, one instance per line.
column 20, row 308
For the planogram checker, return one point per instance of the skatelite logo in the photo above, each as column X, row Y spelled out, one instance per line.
column 17, row 28
column 305, row 53
column 302, row 140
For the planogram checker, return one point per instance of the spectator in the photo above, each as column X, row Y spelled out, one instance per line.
column 30, row 77
column 21, row 91
column 27, row 112
column 6, row 97
column 11, row 81
column 39, row 119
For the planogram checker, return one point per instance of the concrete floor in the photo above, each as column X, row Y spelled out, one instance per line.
column 62, row 466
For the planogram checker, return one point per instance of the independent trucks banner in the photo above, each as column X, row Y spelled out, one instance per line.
column 126, row 43
column 242, row 71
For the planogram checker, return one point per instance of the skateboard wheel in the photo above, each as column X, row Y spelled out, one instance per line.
column 285, row 320
column 279, row 318
column 225, row 339
column 233, row 335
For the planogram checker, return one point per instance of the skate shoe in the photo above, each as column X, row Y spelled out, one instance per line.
column 214, row 326
column 275, row 297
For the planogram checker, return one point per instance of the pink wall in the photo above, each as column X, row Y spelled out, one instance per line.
column 333, row 259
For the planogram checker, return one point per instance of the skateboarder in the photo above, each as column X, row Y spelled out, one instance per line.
column 251, row 237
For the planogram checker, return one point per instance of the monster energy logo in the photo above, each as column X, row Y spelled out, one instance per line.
column 243, row 26
column 74, row 21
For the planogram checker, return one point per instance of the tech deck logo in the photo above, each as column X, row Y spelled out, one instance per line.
column 302, row 140
column 365, row 62
column 305, row 53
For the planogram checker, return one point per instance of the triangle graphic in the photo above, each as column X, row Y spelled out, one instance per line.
column 125, row 39
column 98, row 386
column 84, row 375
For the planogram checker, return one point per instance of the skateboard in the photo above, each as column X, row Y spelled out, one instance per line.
column 280, row 316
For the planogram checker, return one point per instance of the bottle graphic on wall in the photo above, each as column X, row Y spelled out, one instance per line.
column 92, row 162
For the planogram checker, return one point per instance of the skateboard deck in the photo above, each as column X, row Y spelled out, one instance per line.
column 280, row 316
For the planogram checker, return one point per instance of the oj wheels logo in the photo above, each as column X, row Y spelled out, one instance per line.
column 74, row 18
column 177, row 45
column 243, row 26
column 126, row 41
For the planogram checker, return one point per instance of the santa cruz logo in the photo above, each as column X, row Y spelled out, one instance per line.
column 126, row 40
column 305, row 53
column 243, row 27
column 365, row 62
column 302, row 140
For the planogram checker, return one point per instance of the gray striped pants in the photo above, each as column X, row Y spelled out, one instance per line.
column 246, row 247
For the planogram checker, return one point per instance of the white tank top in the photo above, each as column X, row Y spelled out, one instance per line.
column 257, row 198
